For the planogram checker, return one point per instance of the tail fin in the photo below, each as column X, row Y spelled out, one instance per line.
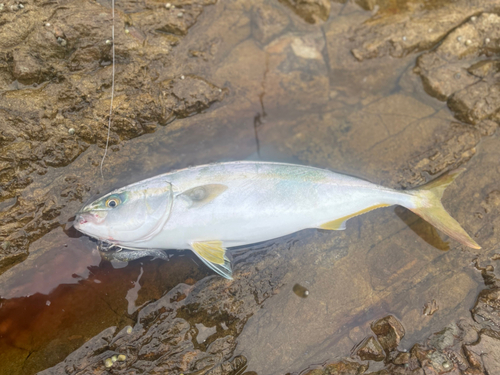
column 429, row 207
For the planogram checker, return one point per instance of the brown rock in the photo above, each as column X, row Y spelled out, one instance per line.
column 487, row 308
column 445, row 338
column 268, row 22
column 312, row 11
column 340, row 368
column 411, row 30
column 371, row 350
column 455, row 71
column 389, row 332
column 478, row 102
column 485, row 354
column 52, row 124
column 402, row 358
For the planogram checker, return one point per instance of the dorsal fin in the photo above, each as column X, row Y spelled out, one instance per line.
column 203, row 194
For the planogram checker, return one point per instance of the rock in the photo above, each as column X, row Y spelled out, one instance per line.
column 68, row 60
column 340, row 368
column 402, row 358
column 455, row 71
column 389, row 332
column 268, row 22
column 311, row 11
column 167, row 336
column 371, row 350
column 186, row 95
column 487, row 309
column 478, row 102
column 412, row 30
column 434, row 361
column 485, row 354
column 93, row 354
column 445, row 338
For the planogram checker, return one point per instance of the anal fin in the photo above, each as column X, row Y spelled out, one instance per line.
column 213, row 254
column 339, row 224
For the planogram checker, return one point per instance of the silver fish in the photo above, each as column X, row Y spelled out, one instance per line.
column 210, row 208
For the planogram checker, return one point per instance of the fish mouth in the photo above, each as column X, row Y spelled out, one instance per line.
column 79, row 221
column 83, row 218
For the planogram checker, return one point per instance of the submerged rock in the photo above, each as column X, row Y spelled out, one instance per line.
column 487, row 308
column 370, row 349
column 417, row 27
column 389, row 332
column 312, row 11
column 457, row 72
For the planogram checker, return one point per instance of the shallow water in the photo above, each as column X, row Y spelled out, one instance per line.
column 299, row 98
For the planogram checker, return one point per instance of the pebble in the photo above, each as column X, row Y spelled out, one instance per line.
column 122, row 357
column 487, row 40
column 473, row 18
column 20, row 6
column 180, row 14
column 404, row 38
column 108, row 362
column 459, row 38
column 182, row 77
column 108, row 41
column 47, row 303
column 71, row 131
column 1, row 6
column 430, row 30
column 300, row 291
column 468, row 42
column 127, row 31
column 129, row 330
column 114, row 358
column 62, row 42
column 168, row 5
column 47, row 24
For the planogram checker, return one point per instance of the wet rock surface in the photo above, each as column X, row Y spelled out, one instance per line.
column 466, row 347
column 56, row 86
column 328, row 84
column 389, row 332
column 371, row 350
column 463, row 69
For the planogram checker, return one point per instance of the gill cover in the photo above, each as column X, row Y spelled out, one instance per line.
column 137, row 212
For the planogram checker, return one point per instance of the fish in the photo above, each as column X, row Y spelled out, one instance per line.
column 210, row 208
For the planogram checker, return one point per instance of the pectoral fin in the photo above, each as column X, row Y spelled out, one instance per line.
column 203, row 194
column 339, row 224
column 213, row 254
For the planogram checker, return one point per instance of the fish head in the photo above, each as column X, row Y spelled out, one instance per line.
column 135, row 213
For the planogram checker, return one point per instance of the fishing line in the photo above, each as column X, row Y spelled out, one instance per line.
column 112, row 81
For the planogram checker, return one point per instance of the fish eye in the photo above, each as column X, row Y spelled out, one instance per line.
column 112, row 202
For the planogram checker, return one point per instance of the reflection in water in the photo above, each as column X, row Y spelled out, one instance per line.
column 65, row 295
column 133, row 294
column 423, row 229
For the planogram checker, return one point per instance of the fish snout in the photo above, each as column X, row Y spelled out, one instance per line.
column 88, row 217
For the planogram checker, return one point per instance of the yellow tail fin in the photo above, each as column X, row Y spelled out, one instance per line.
column 429, row 207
